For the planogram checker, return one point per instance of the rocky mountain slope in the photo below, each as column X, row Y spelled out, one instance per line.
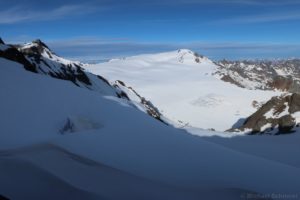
column 38, row 58
column 283, row 75
column 279, row 115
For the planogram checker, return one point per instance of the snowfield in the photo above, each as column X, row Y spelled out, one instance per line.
column 115, row 151
column 182, row 85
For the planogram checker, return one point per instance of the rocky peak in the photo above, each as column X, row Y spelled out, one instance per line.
column 186, row 54
column 1, row 41
column 38, row 42
column 36, row 47
column 185, row 51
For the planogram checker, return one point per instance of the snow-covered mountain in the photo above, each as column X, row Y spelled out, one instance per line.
column 187, row 88
column 38, row 58
column 60, row 140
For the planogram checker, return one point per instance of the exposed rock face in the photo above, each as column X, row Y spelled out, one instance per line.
column 282, row 75
column 48, row 63
column 13, row 54
column 279, row 115
column 132, row 95
column 286, row 124
column 38, row 58
column 1, row 41
column 37, row 47
column 198, row 57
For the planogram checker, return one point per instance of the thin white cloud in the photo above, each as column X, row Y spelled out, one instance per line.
column 87, row 41
column 262, row 2
column 262, row 18
column 20, row 14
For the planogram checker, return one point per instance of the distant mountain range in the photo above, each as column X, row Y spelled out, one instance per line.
column 281, row 75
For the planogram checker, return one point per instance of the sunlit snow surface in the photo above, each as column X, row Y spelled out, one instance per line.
column 126, row 154
column 184, row 90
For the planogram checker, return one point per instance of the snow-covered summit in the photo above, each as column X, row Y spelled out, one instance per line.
column 184, row 56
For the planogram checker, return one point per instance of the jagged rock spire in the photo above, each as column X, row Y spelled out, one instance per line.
column 37, row 48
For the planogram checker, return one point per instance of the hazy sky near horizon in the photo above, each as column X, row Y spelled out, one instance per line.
column 101, row 29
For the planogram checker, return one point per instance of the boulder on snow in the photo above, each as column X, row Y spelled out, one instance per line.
column 286, row 124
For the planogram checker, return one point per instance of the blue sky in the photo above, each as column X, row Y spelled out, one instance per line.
column 102, row 29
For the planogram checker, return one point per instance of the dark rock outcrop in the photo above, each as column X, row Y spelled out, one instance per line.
column 295, row 103
column 37, row 49
column 150, row 108
column 33, row 54
column 286, row 124
column 1, row 41
column 274, row 117
column 281, row 83
column 11, row 53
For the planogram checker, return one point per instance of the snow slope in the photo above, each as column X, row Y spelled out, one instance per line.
column 128, row 155
column 182, row 85
column 36, row 57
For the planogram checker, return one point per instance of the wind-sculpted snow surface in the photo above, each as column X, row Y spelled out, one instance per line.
column 130, row 156
column 185, row 88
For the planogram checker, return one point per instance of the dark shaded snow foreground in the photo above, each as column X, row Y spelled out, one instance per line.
column 116, row 151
